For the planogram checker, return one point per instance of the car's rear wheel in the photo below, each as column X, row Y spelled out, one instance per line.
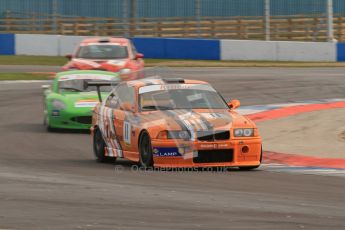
column 145, row 150
column 99, row 148
column 247, row 168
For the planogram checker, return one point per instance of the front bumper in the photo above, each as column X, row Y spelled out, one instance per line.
column 230, row 153
column 65, row 119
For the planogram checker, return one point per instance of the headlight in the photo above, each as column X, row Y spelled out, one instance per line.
column 243, row 132
column 58, row 104
column 248, row 132
column 238, row 132
column 178, row 135
column 173, row 135
column 125, row 71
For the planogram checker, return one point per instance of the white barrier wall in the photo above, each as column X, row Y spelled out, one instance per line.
column 68, row 44
column 31, row 44
column 46, row 45
column 247, row 50
column 277, row 50
column 59, row 45
column 310, row 51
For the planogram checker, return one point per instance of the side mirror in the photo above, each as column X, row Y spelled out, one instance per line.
column 69, row 56
column 127, row 107
column 234, row 104
column 139, row 55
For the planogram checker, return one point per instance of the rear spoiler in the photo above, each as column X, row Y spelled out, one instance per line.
column 98, row 85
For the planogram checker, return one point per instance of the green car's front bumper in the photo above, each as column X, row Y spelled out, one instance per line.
column 65, row 119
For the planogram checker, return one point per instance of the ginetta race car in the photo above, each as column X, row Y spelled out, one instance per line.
column 69, row 101
column 173, row 123
column 108, row 54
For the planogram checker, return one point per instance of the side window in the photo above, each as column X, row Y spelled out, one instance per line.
column 112, row 102
column 125, row 94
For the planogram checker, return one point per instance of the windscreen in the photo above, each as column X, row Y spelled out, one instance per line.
column 108, row 51
column 180, row 96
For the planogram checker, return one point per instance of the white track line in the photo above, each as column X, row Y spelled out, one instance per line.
column 303, row 170
column 24, row 81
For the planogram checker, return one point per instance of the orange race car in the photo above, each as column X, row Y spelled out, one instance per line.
column 173, row 123
column 109, row 54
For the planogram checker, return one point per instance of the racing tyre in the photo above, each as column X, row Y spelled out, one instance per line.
column 145, row 150
column 46, row 123
column 99, row 148
column 248, row 168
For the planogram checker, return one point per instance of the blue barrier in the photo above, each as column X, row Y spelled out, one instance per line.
column 340, row 51
column 7, row 44
column 175, row 48
column 150, row 47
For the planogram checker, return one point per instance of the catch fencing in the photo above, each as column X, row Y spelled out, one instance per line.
column 293, row 20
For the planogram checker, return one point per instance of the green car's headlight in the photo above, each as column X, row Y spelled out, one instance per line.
column 58, row 104
column 243, row 132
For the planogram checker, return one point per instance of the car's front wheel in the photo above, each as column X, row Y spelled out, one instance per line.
column 99, row 148
column 46, row 123
column 145, row 150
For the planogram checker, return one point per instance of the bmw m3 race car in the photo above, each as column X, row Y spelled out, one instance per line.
column 108, row 54
column 173, row 123
column 68, row 102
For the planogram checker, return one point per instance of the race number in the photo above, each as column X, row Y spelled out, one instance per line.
column 127, row 132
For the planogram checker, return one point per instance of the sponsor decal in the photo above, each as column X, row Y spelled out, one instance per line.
column 208, row 146
column 166, row 152
column 106, row 125
column 102, row 44
column 84, row 76
column 55, row 113
column 212, row 116
column 224, row 146
column 117, row 62
column 85, row 103
column 163, row 87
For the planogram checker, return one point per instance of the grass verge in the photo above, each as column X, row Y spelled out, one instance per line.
column 24, row 76
column 32, row 60
column 59, row 61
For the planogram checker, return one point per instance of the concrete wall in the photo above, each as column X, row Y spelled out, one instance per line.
column 247, row 50
column 174, row 48
column 46, row 45
column 68, row 44
column 277, row 50
column 29, row 44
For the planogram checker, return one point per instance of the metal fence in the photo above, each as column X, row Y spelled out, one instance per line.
column 309, row 20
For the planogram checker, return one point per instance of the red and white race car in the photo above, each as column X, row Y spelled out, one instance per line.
column 109, row 54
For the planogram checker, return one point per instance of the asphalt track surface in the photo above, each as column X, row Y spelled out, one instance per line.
column 51, row 181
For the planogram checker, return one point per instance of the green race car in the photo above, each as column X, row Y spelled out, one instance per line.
column 69, row 101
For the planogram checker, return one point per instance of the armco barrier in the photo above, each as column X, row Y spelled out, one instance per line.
column 175, row 48
column 7, row 44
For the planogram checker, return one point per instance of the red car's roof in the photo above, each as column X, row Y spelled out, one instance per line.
column 122, row 41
